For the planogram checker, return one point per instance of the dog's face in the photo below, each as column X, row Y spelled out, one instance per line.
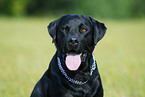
column 75, row 36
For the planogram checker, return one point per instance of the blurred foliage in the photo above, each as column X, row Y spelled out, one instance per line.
column 98, row 8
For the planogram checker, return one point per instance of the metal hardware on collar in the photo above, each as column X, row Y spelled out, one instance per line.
column 72, row 80
column 93, row 66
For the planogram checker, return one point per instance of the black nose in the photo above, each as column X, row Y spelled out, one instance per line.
column 73, row 41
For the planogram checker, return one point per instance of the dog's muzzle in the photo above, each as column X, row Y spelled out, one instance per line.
column 73, row 57
column 73, row 43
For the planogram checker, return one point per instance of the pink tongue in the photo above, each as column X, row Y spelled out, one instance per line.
column 73, row 61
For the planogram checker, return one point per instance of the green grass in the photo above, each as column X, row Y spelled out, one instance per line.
column 26, row 50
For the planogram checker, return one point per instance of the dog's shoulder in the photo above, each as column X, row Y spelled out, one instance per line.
column 42, row 87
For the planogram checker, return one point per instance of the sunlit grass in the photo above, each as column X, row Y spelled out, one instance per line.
column 26, row 50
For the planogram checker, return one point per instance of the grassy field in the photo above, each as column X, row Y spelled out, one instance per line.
column 26, row 50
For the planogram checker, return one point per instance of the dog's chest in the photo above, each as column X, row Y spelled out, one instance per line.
column 87, row 90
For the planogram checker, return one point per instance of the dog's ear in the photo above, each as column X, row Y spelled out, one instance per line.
column 52, row 28
column 99, row 30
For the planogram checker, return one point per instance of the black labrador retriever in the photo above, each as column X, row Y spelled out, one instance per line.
column 73, row 70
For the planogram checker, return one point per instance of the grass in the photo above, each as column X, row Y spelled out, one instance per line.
column 26, row 50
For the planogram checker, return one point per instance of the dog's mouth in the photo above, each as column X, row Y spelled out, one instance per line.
column 74, row 59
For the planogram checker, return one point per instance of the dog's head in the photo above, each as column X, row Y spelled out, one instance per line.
column 75, row 36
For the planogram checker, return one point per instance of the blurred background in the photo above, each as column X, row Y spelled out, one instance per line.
column 26, row 47
column 98, row 8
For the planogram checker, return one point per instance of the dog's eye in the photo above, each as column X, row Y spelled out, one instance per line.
column 63, row 29
column 84, row 30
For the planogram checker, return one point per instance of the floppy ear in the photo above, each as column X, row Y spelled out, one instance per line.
column 52, row 28
column 102, row 30
column 99, row 30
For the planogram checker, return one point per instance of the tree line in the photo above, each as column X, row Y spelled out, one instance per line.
column 97, row 8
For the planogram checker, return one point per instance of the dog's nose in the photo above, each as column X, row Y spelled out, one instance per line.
column 73, row 41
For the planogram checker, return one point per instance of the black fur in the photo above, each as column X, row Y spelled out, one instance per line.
column 72, row 34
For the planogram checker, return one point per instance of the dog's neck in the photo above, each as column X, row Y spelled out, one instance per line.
column 80, row 76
